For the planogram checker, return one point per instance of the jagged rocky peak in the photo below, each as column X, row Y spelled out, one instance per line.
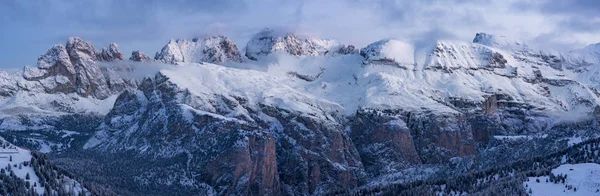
column 56, row 58
column 70, row 69
column 112, row 53
column 389, row 52
column 80, row 50
column 211, row 49
column 139, row 56
column 269, row 40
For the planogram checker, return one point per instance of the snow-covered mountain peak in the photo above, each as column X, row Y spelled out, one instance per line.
column 72, row 69
column 112, row 53
column 590, row 55
column 390, row 52
column 139, row 56
column 212, row 49
column 271, row 32
column 55, row 55
column 269, row 41
column 80, row 49
column 497, row 41
column 522, row 52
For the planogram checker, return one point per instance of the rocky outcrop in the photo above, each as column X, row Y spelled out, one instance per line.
column 112, row 53
column 269, row 41
column 385, row 144
column 213, row 49
column 89, row 80
column 490, row 105
column 347, row 50
column 139, row 56
column 8, row 84
column 73, row 69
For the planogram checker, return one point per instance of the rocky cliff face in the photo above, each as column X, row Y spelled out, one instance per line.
column 112, row 53
column 73, row 69
column 255, row 148
column 213, row 49
column 138, row 56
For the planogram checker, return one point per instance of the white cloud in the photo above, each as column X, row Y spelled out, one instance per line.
column 147, row 25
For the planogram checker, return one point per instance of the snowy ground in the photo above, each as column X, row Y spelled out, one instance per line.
column 519, row 137
column 585, row 177
column 19, row 156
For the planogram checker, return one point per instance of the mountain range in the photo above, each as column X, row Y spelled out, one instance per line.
column 293, row 115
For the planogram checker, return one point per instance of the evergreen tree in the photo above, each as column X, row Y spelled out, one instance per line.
column 27, row 176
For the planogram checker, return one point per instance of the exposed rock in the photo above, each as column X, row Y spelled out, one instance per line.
column 89, row 78
column 307, row 155
column 112, row 53
column 138, row 56
column 213, row 49
column 55, row 72
column 72, row 69
column 490, row 105
column 55, row 60
column 498, row 60
column 8, row 84
column 385, row 144
column 347, row 50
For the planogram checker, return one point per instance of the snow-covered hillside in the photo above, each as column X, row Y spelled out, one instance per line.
column 21, row 163
column 581, row 179
column 19, row 159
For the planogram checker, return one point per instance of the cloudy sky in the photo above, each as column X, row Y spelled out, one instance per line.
column 30, row 27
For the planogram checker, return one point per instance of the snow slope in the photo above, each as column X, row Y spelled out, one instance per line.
column 584, row 177
column 19, row 155
column 213, row 49
column 435, row 75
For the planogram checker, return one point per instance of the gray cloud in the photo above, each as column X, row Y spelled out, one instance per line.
column 30, row 27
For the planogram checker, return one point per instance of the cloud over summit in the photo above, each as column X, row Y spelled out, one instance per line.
column 31, row 27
